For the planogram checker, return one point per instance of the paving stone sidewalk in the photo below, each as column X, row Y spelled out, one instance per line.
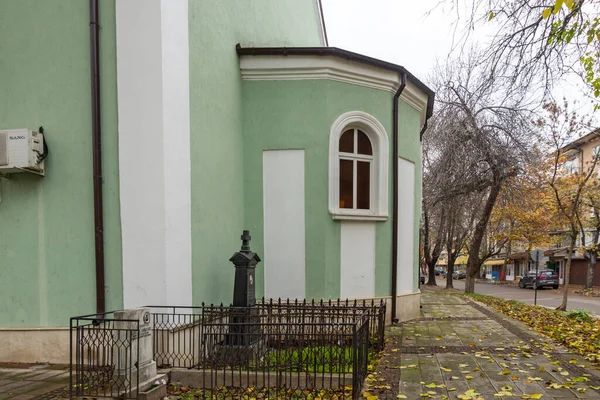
column 461, row 349
column 36, row 382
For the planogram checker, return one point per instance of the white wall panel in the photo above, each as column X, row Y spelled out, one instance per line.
column 406, row 226
column 357, row 279
column 284, row 240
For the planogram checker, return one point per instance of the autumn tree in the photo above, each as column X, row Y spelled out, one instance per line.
column 460, row 222
column 490, row 127
column 589, row 222
column 567, row 185
column 537, row 43
column 522, row 208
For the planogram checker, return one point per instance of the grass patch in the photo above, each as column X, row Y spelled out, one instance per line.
column 575, row 329
column 322, row 359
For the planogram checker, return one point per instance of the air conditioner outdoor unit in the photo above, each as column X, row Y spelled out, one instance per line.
column 21, row 150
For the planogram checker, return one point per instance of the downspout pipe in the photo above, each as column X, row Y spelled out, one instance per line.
column 97, row 156
column 395, row 195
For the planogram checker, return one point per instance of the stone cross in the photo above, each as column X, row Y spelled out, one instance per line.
column 245, row 241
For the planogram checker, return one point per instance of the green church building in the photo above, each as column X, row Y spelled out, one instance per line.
column 172, row 125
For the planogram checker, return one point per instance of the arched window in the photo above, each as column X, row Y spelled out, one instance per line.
column 358, row 154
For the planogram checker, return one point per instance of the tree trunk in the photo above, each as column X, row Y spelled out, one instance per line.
column 589, row 282
column 473, row 263
column 431, row 268
column 563, row 305
column 503, row 271
column 450, row 272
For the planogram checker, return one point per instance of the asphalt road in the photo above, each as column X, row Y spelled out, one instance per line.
column 546, row 297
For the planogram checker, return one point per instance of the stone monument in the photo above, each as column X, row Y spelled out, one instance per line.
column 244, row 330
column 132, row 349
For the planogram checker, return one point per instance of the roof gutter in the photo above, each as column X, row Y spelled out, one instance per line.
column 97, row 156
column 395, row 195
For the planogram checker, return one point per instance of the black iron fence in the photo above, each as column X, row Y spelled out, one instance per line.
column 330, row 311
column 275, row 349
column 104, row 356
column 282, row 355
column 176, row 335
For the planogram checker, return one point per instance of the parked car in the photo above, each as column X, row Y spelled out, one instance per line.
column 459, row 275
column 544, row 278
column 443, row 274
column 422, row 278
column 438, row 271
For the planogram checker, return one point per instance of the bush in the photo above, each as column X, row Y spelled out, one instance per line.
column 579, row 314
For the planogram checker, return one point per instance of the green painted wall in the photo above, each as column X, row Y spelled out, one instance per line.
column 299, row 114
column 217, row 149
column 46, row 224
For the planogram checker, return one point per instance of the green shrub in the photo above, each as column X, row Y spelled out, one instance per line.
column 579, row 314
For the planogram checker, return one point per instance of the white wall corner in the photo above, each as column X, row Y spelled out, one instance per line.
column 154, row 158
column 321, row 22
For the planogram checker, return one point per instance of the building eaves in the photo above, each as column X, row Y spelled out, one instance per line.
column 344, row 54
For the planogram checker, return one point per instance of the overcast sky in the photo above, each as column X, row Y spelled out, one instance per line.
column 398, row 31
column 414, row 34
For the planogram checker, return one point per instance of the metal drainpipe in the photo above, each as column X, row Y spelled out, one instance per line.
column 97, row 156
column 395, row 195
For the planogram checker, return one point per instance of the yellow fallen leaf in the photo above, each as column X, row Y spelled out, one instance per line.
column 532, row 396
column 446, row 369
column 468, row 377
column 504, row 394
column 565, row 373
column 504, row 372
column 402, row 396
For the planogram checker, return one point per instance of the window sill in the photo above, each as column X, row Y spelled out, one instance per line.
column 359, row 217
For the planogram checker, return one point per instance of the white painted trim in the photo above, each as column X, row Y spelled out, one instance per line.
column 379, row 182
column 267, row 67
column 154, row 157
column 406, row 266
column 321, row 22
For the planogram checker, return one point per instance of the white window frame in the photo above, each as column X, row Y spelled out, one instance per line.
column 379, row 167
column 572, row 165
